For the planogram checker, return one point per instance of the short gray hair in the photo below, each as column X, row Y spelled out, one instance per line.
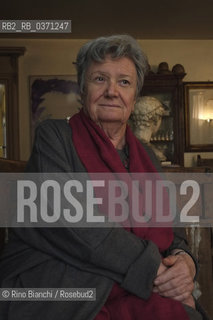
column 117, row 46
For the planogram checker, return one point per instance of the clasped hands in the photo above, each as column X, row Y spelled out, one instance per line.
column 175, row 278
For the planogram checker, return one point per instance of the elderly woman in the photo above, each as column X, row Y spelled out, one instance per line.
column 138, row 273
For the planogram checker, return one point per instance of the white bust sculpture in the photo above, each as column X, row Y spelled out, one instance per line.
column 146, row 120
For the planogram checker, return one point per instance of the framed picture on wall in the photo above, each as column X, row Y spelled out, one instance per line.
column 198, row 116
column 55, row 97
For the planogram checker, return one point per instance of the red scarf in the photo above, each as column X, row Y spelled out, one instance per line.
column 98, row 155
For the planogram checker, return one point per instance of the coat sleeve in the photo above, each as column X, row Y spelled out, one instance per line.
column 112, row 252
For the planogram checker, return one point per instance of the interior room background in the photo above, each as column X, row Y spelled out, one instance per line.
column 56, row 57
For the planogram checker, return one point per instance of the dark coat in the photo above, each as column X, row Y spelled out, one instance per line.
column 73, row 258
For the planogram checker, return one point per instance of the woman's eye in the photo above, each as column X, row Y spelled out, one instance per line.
column 99, row 79
column 125, row 82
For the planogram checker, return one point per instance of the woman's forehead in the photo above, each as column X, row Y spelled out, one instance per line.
column 123, row 66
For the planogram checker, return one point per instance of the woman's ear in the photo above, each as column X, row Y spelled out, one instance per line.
column 133, row 108
column 82, row 95
column 134, row 102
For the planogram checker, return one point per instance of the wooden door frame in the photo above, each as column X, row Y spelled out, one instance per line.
column 9, row 77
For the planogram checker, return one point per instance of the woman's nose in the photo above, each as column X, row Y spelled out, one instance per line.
column 112, row 89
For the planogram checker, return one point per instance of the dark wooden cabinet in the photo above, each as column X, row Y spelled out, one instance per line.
column 167, row 86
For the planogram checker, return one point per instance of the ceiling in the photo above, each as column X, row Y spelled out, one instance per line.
column 143, row 19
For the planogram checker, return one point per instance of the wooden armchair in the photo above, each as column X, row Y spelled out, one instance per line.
column 9, row 166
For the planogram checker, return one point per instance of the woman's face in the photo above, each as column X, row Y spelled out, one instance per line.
column 110, row 90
